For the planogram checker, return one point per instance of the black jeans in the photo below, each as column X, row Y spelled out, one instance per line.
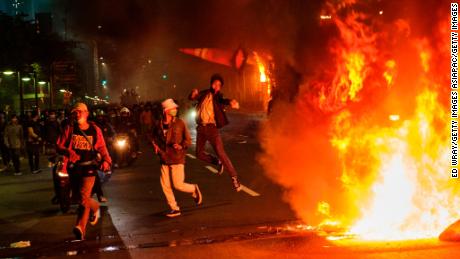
column 211, row 133
column 5, row 153
column 33, row 151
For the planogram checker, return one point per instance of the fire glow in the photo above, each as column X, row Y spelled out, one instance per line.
column 380, row 175
column 263, row 78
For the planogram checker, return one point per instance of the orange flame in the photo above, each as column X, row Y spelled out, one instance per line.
column 389, row 72
column 406, row 192
column 383, row 152
column 262, row 72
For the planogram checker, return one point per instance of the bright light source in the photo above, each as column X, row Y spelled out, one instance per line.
column 150, row 61
column 62, row 90
column 381, row 12
column 103, row 63
column 121, row 143
column 8, row 73
column 394, row 117
column 193, row 114
column 101, row 58
column 42, row 83
column 325, row 17
column 26, row 79
column 63, row 174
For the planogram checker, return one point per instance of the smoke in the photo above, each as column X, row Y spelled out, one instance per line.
column 372, row 66
column 134, row 31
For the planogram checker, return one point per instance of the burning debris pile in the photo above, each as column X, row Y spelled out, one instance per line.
column 365, row 146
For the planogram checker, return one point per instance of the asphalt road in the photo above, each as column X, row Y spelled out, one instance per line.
column 254, row 223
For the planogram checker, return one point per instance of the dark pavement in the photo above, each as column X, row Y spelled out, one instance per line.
column 254, row 223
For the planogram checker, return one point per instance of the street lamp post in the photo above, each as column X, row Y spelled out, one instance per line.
column 20, row 87
column 21, row 92
column 47, row 84
column 36, row 91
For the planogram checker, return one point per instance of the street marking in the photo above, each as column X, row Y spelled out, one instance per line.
column 249, row 191
column 243, row 187
column 212, row 169
column 191, row 156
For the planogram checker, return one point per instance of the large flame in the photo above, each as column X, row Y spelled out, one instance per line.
column 385, row 115
column 411, row 195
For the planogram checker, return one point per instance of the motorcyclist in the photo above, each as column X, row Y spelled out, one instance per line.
column 82, row 143
column 126, row 125
column 107, row 129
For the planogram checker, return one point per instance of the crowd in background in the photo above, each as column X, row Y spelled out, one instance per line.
column 35, row 133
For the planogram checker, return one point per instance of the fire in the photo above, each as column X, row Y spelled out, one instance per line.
column 263, row 73
column 403, row 191
column 370, row 139
column 390, row 71
column 411, row 194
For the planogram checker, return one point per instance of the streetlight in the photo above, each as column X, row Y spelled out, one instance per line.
column 27, row 79
column 48, row 88
column 21, row 90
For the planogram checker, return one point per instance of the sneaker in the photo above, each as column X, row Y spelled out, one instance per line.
column 197, row 195
column 236, row 184
column 173, row 213
column 220, row 167
column 78, row 233
column 95, row 217
column 36, row 171
column 18, row 173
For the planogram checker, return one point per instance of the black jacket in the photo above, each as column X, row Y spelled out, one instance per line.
column 219, row 103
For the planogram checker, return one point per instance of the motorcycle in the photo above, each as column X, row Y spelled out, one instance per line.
column 61, row 180
column 125, row 153
column 62, row 187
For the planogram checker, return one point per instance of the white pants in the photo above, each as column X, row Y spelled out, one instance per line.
column 177, row 173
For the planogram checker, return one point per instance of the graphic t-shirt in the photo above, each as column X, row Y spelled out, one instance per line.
column 81, row 146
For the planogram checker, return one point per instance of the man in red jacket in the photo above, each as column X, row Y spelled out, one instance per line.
column 82, row 143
